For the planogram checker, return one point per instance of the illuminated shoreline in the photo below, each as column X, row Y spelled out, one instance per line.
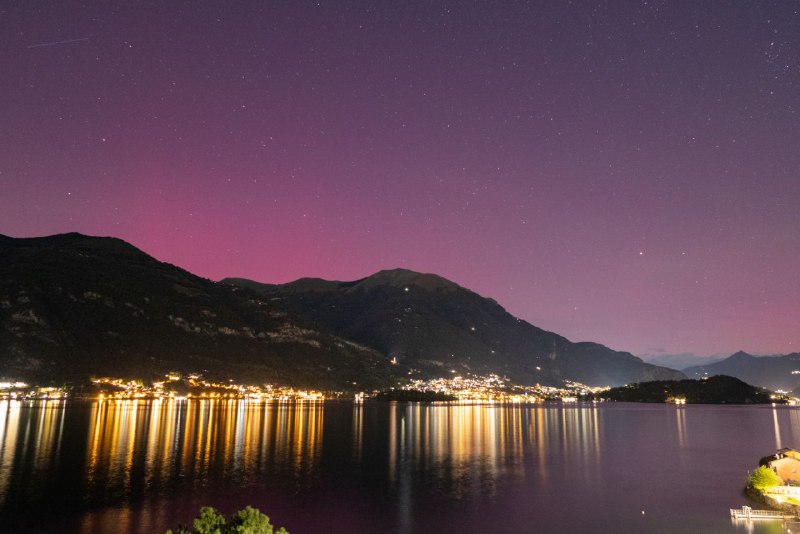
column 487, row 389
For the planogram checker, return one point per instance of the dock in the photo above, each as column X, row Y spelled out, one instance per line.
column 748, row 513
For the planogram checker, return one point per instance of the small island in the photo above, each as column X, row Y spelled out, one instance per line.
column 718, row 389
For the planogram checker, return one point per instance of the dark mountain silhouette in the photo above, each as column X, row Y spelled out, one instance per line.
column 773, row 372
column 717, row 389
column 434, row 327
column 72, row 306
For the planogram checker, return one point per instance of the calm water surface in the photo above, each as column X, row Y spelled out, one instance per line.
column 145, row 466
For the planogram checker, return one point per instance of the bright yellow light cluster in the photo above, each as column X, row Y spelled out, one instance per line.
column 489, row 388
column 493, row 388
column 23, row 391
column 202, row 389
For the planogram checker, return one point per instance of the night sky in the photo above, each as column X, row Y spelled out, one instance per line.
column 620, row 172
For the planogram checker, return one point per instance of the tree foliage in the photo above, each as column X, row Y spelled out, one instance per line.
column 764, row 478
column 209, row 522
column 246, row 521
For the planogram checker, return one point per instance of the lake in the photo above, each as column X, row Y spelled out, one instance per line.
column 145, row 466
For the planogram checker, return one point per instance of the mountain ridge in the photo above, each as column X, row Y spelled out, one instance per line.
column 437, row 327
column 73, row 305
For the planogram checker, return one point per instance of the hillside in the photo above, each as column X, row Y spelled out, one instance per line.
column 773, row 372
column 72, row 306
column 434, row 327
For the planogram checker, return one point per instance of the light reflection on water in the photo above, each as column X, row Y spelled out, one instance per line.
column 465, row 451
column 777, row 429
column 202, row 438
column 31, row 443
column 140, row 465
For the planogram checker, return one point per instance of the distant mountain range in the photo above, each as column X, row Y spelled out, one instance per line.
column 73, row 306
column 773, row 372
column 681, row 361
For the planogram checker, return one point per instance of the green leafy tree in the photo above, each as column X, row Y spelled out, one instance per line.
column 209, row 522
column 250, row 521
column 764, row 478
column 247, row 521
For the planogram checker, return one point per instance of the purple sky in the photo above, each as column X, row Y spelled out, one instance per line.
column 627, row 173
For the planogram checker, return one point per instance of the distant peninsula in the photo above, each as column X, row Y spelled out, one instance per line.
column 718, row 389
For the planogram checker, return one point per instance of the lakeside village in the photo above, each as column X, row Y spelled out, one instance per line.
column 473, row 389
column 775, row 484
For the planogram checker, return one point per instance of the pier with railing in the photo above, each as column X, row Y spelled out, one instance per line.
column 745, row 512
